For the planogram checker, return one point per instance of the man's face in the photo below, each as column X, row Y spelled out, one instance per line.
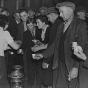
column 65, row 12
column 31, row 13
column 30, row 26
column 5, row 13
column 17, row 16
column 81, row 15
column 24, row 16
column 50, row 17
column 42, row 12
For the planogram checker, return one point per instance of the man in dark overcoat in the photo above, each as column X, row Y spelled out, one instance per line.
column 65, row 64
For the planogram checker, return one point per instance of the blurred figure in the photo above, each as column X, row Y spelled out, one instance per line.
column 16, row 15
column 41, row 45
column 42, row 10
column 65, row 64
column 25, row 48
column 83, row 69
column 6, row 39
column 5, row 12
column 31, row 13
column 1, row 10
column 54, row 18
column 81, row 13
column 22, row 26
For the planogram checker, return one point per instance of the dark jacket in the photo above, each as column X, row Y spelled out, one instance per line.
column 76, row 25
column 27, row 43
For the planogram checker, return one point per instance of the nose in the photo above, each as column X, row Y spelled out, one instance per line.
column 60, row 14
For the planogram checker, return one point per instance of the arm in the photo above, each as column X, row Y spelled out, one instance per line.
column 49, row 51
column 11, row 42
column 82, row 38
column 41, row 47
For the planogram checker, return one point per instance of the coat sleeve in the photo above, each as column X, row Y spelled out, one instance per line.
column 49, row 51
column 82, row 37
column 24, row 43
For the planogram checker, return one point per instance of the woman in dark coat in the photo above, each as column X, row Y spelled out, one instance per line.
column 42, row 23
column 27, row 43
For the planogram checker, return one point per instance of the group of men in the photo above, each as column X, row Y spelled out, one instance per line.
column 66, row 65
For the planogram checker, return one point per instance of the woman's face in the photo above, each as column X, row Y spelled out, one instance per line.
column 40, row 24
column 30, row 26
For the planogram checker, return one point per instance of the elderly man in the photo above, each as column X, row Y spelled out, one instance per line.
column 56, row 20
column 65, row 64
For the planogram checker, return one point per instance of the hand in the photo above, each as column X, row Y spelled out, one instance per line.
column 76, row 47
column 35, row 48
column 18, row 42
column 73, row 74
column 37, row 56
column 20, row 51
column 80, row 55
column 45, row 65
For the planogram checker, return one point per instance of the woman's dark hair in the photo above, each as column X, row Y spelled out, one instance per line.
column 43, row 19
column 3, row 20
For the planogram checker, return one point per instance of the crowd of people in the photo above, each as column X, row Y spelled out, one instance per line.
column 50, row 44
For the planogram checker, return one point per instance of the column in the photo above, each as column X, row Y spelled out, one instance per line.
column 2, row 3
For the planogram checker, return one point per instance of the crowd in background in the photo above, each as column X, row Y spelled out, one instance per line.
column 34, row 32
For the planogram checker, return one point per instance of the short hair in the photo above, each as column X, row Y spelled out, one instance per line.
column 3, row 20
column 43, row 19
column 5, row 9
column 23, row 10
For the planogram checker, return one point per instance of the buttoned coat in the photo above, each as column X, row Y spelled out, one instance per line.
column 77, row 29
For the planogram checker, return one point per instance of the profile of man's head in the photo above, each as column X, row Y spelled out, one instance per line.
column 66, row 9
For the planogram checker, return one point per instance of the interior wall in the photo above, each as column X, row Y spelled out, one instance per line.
column 36, row 4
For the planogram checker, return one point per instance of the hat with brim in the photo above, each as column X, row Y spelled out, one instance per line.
column 43, row 8
column 51, row 10
column 67, row 4
column 81, row 9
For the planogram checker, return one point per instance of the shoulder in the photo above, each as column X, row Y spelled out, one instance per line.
column 6, row 33
column 79, row 21
column 27, row 33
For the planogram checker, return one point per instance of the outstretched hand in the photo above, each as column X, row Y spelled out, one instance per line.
column 80, row 55
column 37, row 56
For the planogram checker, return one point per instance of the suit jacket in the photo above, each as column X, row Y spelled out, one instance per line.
column 12, row 28
column 78, row 26
column 20, row 31
column 53, row 30
column 27, row 43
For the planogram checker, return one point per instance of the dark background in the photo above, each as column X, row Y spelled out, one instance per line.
column 36, row 4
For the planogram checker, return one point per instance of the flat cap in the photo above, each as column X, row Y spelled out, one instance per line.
column 81, row 9
column 51, row 10
column 67, row 4
column 43, row 8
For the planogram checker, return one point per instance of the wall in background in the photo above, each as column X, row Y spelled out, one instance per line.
column 36, row 4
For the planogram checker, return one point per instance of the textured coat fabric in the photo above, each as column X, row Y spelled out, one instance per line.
column 48, row 73
column 78, row 26
column 83, row 71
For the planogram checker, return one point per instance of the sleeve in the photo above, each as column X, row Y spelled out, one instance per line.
column 85, row 63
column 24, row 43
column 8, row 37
column 82, row 38
column 49, row 51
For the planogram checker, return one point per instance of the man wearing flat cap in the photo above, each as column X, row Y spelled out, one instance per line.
column 65, row 63
column 55, row 19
